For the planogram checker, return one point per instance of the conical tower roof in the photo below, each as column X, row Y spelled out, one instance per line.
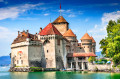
column 60, row 19
column 86, row 36
column 69, row 33
column 92, row 39
column 50, row 30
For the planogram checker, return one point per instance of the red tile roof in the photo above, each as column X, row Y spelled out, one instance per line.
column 60, row 19
column 80, row 54
column 50, row 30
column 92, row 39
column 69, row 33
column 22, row 36
column 86, row 36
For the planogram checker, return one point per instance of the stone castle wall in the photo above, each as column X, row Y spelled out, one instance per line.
column 16, row 58
column 100, row 67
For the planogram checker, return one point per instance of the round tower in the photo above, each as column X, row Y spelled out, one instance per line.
column 93, row 45
column 86, row 43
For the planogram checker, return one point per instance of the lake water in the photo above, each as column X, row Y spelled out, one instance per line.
column 4, row 74
column 58, row 75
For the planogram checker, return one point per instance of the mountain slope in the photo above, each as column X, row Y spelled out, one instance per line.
column 5, row 60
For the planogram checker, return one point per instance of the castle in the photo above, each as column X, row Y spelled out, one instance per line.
column 55, row 46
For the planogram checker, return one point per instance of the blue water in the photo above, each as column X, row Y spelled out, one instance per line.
column 57, row 75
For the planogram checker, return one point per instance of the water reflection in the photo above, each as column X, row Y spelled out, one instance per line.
column 58, row 75
column 19, row 75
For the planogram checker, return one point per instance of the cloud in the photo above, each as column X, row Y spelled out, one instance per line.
column 99, row 5
column 71, row 15
column 61, row 10
column 68, row 11
column 87, row 19
column 7, row 34
column 99, row 30
column 15, row 11
column 110, row 16
column 46, row 14
column 1, row 0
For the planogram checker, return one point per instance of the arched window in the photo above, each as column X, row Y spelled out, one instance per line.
column 46, row 41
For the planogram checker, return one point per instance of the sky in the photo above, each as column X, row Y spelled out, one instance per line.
column 89, row 16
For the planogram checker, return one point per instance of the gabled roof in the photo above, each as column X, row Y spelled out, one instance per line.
column 22, row 36
column 81, row 54
column 92, row 39
column 69, row 33
column 60, row 19
column 86, row 36
column 50, row 30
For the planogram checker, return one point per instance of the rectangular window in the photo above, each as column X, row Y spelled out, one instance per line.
column 47, row 51
column 58, row 42
column 17, row 61
column 21, row 61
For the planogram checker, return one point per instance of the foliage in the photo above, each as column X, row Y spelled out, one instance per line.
column 96, row 69
column 110, row 45
column 34, row 67
column 118, row 66
column 91, row 59
column 103, row 60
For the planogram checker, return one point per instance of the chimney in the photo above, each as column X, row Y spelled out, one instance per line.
column 36, row 35
column 18, row 33
column 40, row 29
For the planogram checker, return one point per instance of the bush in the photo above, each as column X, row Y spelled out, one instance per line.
column 96, row 69
column 118, row 66
column 103, row 60
column 91, row 59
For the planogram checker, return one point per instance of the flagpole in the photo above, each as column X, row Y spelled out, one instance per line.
column 60, row 8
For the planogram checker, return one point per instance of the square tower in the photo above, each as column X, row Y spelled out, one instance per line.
column 61, row 24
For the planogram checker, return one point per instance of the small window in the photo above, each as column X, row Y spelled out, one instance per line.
column 46, row 58
column 17, row 62
column 58, row 42
column 47, row 51
column 84, row 46
column 21, row 61
column 88, row 46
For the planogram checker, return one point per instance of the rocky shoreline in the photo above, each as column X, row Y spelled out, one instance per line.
column 32, row 69
column 113, row 70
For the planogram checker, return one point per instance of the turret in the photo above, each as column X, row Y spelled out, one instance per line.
column 93, row 45
column 86, row 43
column 69, row 35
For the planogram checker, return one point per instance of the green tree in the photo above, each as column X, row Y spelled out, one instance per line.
column 111, row 44
column 91, row 59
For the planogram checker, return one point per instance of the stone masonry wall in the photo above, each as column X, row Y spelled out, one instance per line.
column 100, row 67
column 62, row 28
